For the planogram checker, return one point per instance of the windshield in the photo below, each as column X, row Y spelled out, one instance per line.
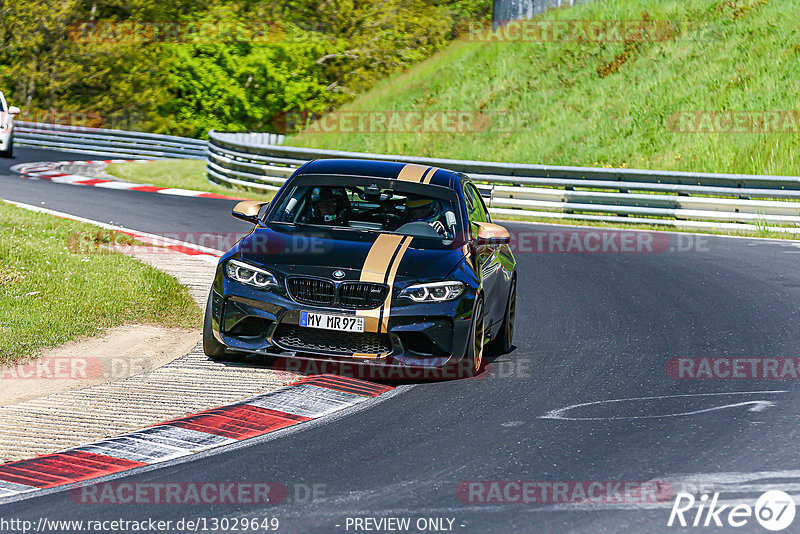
column 370, row 207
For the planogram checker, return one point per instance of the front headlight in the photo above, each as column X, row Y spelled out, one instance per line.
column 434, row 292
column 4, row 127
column 239, row 271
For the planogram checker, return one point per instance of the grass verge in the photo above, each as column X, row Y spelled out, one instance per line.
column 52, row 291
column 615, row 103
column 180, row 173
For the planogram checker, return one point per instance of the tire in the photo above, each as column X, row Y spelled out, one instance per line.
column 467, row 366
column 211, row 347
column 503, row 342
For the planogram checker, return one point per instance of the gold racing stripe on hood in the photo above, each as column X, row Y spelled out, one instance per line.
column 379, row 258
column 380, row 267
column 387, row 306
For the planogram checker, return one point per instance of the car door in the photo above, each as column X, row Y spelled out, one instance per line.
column 486, row 255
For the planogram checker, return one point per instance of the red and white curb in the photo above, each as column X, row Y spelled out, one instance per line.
column 51, row 171
column 308, row 399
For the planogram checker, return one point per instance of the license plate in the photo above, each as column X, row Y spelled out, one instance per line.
column 342, row 323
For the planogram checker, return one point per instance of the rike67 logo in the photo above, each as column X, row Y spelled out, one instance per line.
column 774, row 510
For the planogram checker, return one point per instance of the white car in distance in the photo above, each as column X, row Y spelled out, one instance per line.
column 7, row 127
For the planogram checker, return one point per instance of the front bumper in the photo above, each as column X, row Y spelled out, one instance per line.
column 418, row 335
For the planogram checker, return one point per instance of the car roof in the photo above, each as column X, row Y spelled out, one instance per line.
column 382, row 169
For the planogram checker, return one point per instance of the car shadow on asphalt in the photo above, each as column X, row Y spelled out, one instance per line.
column 387, row 376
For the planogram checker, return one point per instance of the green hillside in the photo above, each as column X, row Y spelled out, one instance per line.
column 615, row 104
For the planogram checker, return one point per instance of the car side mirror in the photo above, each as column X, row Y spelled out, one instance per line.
column 492, row 234
column 14, row 110
column 247, row 210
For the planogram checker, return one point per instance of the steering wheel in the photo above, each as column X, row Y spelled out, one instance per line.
column 418, row 228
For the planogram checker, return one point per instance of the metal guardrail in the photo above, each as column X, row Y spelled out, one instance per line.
column 527, row 190
column 104, row 142
column 257, row 162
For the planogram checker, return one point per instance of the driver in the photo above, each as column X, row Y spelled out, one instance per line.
column 425, row 210
column 329, row 206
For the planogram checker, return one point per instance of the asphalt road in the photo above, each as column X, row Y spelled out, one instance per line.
column 591, row 327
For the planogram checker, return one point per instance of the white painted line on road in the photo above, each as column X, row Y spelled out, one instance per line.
column 756, row 406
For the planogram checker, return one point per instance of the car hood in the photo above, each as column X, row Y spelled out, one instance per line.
column 321, row 251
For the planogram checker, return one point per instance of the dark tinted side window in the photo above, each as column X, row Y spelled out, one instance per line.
column 475, row 207
column 476, row 210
